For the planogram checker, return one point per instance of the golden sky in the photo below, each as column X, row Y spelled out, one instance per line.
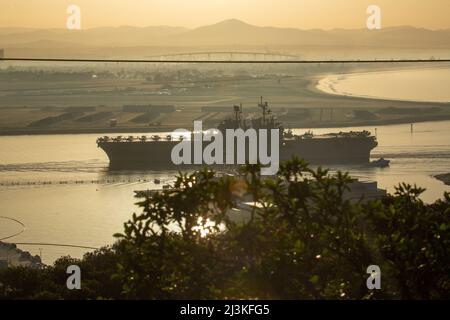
column 305, row 14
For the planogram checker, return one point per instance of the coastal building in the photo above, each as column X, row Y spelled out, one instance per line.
column 10, row 255
column 364, row 190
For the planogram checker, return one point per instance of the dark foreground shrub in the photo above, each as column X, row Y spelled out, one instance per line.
column 301, row 238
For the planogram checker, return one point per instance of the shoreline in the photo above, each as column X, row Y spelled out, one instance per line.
column 25, row 132
column 328, row 88
column 308, row 96
column 313, row 125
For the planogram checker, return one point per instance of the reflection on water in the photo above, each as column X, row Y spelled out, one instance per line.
column 95, row 204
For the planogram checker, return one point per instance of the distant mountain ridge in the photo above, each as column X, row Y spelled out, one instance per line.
column 104, row 36
column 226, row 33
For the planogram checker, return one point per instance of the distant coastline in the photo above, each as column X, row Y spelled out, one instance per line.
column 301, row 108
column 346, row 85
column 150, row 130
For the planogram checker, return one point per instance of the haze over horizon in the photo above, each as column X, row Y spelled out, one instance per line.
column 232, row 34
column 301, row 14
column 225, row 21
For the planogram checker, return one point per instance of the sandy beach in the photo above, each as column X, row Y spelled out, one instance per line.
column 426, row 84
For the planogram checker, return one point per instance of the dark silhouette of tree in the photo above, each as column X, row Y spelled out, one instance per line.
column 301, row 238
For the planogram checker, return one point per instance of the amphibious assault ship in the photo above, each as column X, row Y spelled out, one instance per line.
column 155, row 151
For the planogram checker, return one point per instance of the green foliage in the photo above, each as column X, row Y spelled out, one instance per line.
column 50, row 282
column 414, row 240
column 301, row 239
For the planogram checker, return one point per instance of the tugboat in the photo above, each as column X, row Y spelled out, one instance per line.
column 380, row 163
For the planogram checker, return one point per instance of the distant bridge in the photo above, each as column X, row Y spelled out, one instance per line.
column 234, row 61
column 225, row 56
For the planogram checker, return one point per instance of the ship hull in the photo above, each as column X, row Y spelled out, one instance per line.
column 329, row 150
column 157, row 154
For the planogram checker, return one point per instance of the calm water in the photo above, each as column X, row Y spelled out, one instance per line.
column 417, row 85
column 89, row 213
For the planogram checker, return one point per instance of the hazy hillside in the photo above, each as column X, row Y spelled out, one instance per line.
column 235, row 32
column 229, row 34
column 108, row 36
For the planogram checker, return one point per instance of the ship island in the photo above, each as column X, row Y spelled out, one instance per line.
column 153, row 152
